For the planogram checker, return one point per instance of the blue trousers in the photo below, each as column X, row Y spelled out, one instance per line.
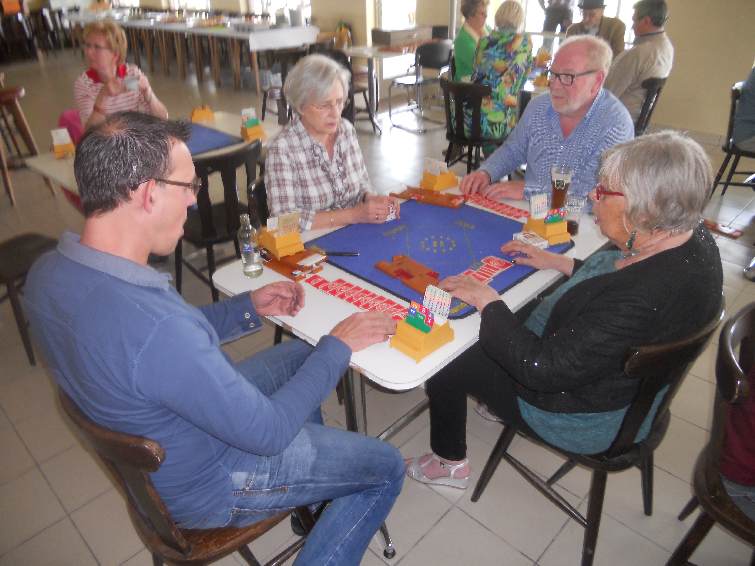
column 361, row 475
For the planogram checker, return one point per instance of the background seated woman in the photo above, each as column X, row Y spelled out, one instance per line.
column 314, row 166
column 110, row 84
column 475, row 13
column 503, row 61
column 560, row 373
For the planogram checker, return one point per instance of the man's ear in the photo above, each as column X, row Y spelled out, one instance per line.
column 144, row 196
column 600, row 78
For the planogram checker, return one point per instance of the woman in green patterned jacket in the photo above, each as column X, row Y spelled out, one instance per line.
column 503, row 61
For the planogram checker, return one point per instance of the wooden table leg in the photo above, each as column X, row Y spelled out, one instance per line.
column 163, row 46
column 23, row 128
column 215, row 60
column 256, row 72
column 149, row 49
column 235, row 51
column 180, row 54
column 196, row 42
column 133, row 36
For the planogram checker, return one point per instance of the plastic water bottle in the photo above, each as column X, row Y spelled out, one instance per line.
column 250, row 252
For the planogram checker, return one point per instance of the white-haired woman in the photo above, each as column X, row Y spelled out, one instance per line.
column 560, row 373
column 314, row 166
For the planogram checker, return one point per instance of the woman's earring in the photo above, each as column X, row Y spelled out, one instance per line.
column 630, row 244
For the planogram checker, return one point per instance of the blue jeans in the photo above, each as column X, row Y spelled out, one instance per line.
column 743, row 496
column 361, row 475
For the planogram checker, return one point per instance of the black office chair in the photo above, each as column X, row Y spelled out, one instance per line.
column 461, row 99
column 212, row 224
column 435, row 56
column 733, row 388
column 655, row 367
column 732, row 150
column 653, row 88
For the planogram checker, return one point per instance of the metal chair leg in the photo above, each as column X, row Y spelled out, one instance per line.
column 389, row 551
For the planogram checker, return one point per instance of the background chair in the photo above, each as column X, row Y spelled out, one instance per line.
column 435, row 56
column 731, row 149
column 653, row 88
column 131, row 460
column 349, row 108
column 212, row 224
column 733, row 387
column 285, row 59
column 659, row 369
column 462, row 99
column 16, row 258
column 14, row 123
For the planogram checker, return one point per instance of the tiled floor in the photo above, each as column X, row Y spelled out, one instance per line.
column 58, row 507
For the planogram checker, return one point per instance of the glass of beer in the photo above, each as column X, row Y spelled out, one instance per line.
column 560, row 181
column 575, row 206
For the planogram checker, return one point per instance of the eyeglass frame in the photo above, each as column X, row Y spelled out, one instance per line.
column 195, row 185
column 600, row 190
column 338, row 106
column 550, row 74
column 97, row 48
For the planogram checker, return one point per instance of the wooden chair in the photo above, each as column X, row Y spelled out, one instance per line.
column 435, row 56
column 349, row 107
column 212, row 224
column 131, row 460
column 286, row 59
column 464, row 99
column 659, row 369
column 732, row 150
column 14, row 122
column 16, row 258
column 653, row 88
column 733, row 387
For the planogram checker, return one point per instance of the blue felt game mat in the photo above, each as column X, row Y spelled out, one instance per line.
column 206, row 139
column 447, row 240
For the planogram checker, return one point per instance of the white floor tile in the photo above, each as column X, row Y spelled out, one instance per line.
column 694, row 401
column 679, row 450
column 16, row 458
column 76, row 477
column 27, row 506
column 46, row 435
column 57, row 545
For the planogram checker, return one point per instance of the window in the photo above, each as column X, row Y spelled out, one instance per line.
column 396, row 14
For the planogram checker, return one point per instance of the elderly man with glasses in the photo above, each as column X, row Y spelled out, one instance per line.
column 598, row 25
column 571, row 126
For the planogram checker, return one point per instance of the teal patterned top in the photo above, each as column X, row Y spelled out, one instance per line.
column 503, row 61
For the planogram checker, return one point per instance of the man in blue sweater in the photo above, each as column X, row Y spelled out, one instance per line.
column 571, row 126
column 242, row 440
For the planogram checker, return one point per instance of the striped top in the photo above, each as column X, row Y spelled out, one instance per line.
column 538, row 141
column 87, row 87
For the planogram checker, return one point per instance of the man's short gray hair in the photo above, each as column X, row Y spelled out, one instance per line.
column 311, row 79
column 666, row 178
column 597, row 50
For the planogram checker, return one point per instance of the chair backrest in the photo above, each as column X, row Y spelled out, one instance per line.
column 131, row 460
column 257, row 201
column 653, row 88
column 736, row 356
column 433, row 55
column 226, row 164
column 656, row 367
column 460, row 98
column 736, row 92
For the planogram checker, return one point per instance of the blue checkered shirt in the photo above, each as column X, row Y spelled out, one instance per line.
column 537, row 141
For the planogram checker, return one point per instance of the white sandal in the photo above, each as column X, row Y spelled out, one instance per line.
column 441, row 473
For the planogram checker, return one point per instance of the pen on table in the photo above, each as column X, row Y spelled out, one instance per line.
column 345, row 254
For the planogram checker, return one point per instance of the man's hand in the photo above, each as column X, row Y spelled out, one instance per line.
column 506, row 189
column 364, row 329
column 474, row 183
column 532, row 256
column 469, row 290
column 280, row 298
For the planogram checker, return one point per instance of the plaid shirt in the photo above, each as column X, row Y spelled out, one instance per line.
column 301, row 177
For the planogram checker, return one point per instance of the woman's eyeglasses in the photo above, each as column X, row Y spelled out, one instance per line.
column 95, row 47
column 601, row 191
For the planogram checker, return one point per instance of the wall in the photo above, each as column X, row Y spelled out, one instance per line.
column 714, row 47
column 358, row 13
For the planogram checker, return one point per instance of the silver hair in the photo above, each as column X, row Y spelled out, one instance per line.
column 599, row 54
column 311, row 79
column 510, row 14
column 665, row 177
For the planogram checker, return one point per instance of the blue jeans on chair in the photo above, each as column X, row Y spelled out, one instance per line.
column 361, row 475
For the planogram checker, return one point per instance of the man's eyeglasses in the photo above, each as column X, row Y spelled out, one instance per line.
column 567, row 79
column 601, row 191
column 96, row 47
column 195, row 185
